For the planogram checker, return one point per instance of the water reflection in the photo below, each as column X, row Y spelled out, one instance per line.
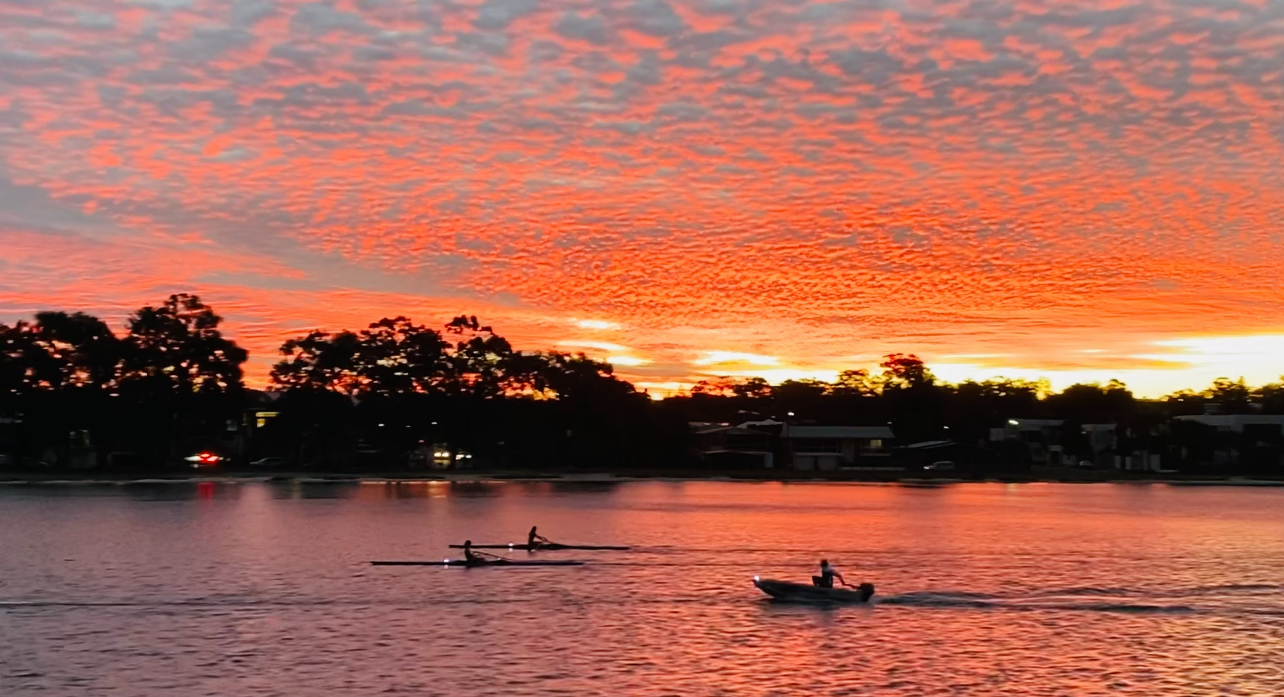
column 263, row 589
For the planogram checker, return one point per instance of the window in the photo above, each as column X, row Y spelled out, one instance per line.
column 875, row 444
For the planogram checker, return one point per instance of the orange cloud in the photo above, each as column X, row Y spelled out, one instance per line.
column 807, row 181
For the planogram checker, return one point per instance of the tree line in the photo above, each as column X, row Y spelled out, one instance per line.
column 170, row 383
column 905, row 394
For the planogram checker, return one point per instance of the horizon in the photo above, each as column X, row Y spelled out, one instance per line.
column 873, row 369
column 685, row 190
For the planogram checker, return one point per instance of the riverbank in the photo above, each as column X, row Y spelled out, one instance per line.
column 1037, row 475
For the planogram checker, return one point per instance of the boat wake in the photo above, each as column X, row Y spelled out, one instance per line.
column 1243, row 599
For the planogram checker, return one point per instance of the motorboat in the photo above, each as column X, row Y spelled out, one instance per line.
column 808, row 593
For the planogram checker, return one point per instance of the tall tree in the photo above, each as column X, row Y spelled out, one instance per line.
column 178, row 348
column 397, row 356
column 17, row 350
column 854, row 383
column 320, row 362
column 752, row 388
column 1271, row 397
column 478, row 362
column 1230, row 396
column 901, row 371
column 1093, row 403
column 80, row 350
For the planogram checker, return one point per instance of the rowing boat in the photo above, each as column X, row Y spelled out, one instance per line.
column 550, row 546
column 486, row 562
column 804, row 593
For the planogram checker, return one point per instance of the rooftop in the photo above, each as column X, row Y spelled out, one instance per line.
column 838, row 432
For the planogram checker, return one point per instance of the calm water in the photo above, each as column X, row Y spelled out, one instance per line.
column 258, row 589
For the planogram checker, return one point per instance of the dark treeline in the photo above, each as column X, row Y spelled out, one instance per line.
column 75, row 394
column 905, row 394
column 397, row 386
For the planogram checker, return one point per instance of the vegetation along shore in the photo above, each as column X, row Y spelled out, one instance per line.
column 166, row 396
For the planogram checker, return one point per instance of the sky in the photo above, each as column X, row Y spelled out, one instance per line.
column 1031, row 188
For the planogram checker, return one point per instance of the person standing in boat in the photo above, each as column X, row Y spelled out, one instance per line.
column 534, row 539
column 827, row 575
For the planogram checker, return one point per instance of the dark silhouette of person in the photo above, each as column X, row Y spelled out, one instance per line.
column 534, row 539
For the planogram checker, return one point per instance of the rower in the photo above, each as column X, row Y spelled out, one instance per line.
column 827, row 576
column 535, row 539
column 469, row 555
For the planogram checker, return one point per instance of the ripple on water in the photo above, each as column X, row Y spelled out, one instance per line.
column 263, row 594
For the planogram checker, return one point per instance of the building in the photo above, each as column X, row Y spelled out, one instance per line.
column 1238, row 423
column 832, row 447
column 1238, row 441
column 1101, row 441
column 727, row 446
column 1042, row 438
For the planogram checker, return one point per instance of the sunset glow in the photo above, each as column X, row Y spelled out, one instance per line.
column 1029, row 188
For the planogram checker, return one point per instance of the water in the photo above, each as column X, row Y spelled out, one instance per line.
column 257, row 589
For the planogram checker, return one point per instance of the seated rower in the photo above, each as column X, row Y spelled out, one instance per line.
column 827, row 576
column 535, row 539
column 470, row 556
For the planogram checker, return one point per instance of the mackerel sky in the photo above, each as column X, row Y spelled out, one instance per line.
column 1078, row 190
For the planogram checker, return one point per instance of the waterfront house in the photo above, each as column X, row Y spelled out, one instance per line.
column 727, row 446
column 832, row 447
column 1041, row 437
column 1237, row 442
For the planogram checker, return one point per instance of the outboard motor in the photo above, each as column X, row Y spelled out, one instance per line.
column 866, row 591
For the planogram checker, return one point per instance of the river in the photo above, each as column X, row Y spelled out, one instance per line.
column 983, row 589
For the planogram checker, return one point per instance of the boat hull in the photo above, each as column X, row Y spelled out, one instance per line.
column 472, row 564
column 552, row 546
column 805, row 593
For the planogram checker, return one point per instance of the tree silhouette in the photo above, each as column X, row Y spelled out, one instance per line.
column 1093, row 403
column 1230, row 396
column 80, row 350
column 1271, row 397
column 902, row 371
column 854, row 383
column 320, row 362
column 172, row 382
column 178, row 348
column 397, row 356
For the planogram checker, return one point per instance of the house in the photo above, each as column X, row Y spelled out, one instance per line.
column 832, row 447
column 727, row 446
column 1042, row 437
column 1100, row 441
column 1239, row 441
column 1238, row 423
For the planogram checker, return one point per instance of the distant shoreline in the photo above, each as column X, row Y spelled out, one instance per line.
column 243, row 477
